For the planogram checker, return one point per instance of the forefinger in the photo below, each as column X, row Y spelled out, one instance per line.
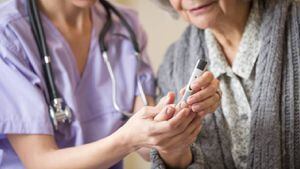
column 202, row 81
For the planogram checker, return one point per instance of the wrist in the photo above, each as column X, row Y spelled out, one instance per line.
column 125, row 141
column 178, row 158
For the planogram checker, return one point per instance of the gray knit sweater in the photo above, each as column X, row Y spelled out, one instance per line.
column 275, row 101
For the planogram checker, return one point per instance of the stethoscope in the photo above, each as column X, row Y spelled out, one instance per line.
column 59, row 111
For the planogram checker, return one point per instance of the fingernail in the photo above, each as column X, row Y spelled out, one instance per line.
column 169, row 111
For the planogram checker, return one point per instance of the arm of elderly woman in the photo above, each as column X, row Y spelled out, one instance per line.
column 171, row 143
column 176, row 151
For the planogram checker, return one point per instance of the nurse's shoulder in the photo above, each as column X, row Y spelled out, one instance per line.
column 13, row 22
column 15, row 37
column 12, row 11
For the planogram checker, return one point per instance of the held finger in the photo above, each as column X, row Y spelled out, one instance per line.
column 166, row 114
column 181, row 105
column 184, row 105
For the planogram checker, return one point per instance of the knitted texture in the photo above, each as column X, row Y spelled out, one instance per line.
column 275, row 121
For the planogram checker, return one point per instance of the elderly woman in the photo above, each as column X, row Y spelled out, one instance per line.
column 253, row 49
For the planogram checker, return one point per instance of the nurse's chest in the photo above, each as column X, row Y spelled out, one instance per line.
column 91, row 93
column 79, row 43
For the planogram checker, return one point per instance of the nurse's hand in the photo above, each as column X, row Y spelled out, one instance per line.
column 206, row 96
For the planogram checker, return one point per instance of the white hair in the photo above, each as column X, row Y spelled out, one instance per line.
column 165, row 5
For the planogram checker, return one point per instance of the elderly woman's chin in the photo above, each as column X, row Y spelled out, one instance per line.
column 83, row 3
column 204, row 21
column 203, row 18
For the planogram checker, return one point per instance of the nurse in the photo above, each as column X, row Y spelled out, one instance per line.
column 97, row 136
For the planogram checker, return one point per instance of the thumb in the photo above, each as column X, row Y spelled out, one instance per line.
column 147, row 112
column 166, row 100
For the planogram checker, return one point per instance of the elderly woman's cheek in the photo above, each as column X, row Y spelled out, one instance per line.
column 176, row 4
column 185, row 16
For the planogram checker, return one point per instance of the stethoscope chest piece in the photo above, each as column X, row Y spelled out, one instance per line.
column 60, row 113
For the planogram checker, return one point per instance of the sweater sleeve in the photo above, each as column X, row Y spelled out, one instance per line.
column 165, row 84
column 197, row 163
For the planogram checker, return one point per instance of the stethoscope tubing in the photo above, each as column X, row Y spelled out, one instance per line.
column 39, row 36
column 56, row 102
column 104, row 50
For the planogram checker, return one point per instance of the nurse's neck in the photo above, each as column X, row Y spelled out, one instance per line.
column 66, row 14
column 74, row 23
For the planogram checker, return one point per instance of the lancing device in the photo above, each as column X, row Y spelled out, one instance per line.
column 199, row 69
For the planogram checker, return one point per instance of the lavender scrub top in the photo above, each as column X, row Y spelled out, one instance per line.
column 23, row 107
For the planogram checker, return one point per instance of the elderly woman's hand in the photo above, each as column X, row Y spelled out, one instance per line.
column 206, row 96
column 187, row 136
column 175, row 150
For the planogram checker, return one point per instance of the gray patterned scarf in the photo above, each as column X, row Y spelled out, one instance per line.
column 275, row 121
column 275, row 125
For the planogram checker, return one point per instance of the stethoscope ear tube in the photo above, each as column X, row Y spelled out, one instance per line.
column 33, row 24
column 139, row 83
column 40, row 38
column 133, row 38
column 125, row 114
column 104, row 51
column 105, row 29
